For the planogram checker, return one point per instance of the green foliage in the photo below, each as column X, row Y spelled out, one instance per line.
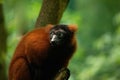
column 1, row 1
column 98, row 36
column 97, row 57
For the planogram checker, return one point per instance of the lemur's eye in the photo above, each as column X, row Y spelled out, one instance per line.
column 60, row 35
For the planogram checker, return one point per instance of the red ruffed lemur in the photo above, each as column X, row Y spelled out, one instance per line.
column 43, row 53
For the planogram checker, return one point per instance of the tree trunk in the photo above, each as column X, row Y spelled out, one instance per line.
column 51, row 12
column 3, row 45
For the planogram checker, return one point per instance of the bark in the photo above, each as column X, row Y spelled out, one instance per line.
column 3, row 45
column 51, row 12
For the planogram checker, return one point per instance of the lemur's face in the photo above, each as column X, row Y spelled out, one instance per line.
column 59, row 35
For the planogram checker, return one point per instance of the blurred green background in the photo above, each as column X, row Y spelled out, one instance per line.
column 98, row 53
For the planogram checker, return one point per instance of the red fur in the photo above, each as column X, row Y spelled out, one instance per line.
column 34, row 59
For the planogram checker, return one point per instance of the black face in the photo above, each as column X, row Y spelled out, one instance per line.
column 59, row 35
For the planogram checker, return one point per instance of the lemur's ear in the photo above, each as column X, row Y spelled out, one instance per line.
column 48, row 27
column 73, row 28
